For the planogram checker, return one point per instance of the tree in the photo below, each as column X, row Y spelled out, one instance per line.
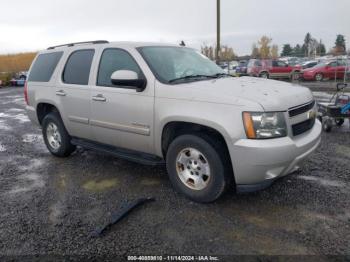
column 265, row 48
column 340, row 46
column 306, row 45
column 321, row 50
column 227, row 53
column 255, row 51
column 298, row 51
column 274, row 51
column 208, row 51
column 287, row 50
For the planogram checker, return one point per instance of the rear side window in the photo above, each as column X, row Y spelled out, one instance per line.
column 113, row 60
column 44, row 66
column 77, row 69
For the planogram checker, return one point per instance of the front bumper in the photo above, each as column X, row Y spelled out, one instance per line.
column 257, row 163
column 307, row 76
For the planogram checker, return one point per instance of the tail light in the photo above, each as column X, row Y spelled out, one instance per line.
column 26, row 92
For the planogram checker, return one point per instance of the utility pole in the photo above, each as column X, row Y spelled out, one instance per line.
column 218, row 46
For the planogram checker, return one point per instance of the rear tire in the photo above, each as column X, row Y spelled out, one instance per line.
column 265, row 75
column 56, row 137
column 319, row 77
column 197, row 169
column 339, row 122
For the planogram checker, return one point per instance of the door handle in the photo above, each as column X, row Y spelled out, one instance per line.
column 60, row 93
column 99, row 98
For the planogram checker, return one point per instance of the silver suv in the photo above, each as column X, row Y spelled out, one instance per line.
column 157, row 104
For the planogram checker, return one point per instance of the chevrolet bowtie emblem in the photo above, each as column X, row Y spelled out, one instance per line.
column 311, row 114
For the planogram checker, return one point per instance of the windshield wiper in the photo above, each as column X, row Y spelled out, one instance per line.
column 191, row 77
column 221, row 75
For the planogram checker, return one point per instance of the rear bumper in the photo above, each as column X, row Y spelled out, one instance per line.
column 258, row 163
column 31, row 112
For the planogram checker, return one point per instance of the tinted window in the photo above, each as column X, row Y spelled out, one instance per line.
column 78, row 66
column 44, row 66
column 113, row 60
column 258, row 63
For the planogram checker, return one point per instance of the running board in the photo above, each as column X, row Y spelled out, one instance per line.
column 134, row 156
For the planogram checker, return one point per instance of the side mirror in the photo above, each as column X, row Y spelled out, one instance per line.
column 128, row 78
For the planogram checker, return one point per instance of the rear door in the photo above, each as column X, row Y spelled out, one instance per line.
column 280, row 69
column 73, row 92
column 121, row 116
column 331, row 70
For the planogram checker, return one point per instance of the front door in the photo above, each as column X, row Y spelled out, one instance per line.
column 121, row 116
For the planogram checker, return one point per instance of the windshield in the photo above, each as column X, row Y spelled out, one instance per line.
column 179, row 63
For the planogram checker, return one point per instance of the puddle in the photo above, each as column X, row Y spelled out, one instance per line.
column 34, row 164
column 149, row 182
column 322, row 181
column 15, row 110
column 31, row 138
column 4, row 126
column 102, row 185
column 34, row 181
column 22, row 118
column 2, row 148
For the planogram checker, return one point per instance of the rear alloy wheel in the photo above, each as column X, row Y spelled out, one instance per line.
column 264, row 75
column 339, row 121
column 196, row 168
column 318, row 77
column 295, row 76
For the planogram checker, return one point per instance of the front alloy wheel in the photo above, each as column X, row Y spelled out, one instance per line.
column 198, row 167
column 193, row 169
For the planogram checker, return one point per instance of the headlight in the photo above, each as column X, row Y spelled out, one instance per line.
column 264, row 125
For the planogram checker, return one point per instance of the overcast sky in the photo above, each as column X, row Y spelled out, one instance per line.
column 36, row 24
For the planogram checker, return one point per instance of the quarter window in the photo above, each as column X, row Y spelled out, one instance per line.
column 44, row 66
column 113, row 60
column 77, row 69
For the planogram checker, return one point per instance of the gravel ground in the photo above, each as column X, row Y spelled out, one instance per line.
column 50, row 205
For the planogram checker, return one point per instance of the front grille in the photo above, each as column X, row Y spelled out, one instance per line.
column 302, row 109
column 302, row 127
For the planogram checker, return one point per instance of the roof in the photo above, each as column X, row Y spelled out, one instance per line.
column 106, row 43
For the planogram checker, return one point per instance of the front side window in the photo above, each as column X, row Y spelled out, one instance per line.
column 170, row 64
column 77, row 69
column 113, row 60
column 44, row 66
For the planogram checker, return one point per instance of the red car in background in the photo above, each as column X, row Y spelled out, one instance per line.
column 273, row 69
column 325, row 70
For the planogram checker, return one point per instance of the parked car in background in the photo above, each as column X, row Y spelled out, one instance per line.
column 241, row 69
column 275, row 69
column 19, row 79
column 334, row 69
column 308, row 64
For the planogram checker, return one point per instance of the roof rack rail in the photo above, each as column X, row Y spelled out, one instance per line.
column 79, row 43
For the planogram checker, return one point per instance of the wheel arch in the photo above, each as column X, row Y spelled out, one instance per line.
column 172, row 129
column 45, row 107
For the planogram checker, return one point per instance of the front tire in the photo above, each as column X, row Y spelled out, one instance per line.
column 55, row 135
column 196, row 169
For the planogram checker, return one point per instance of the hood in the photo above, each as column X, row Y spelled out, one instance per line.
column 272, row 95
